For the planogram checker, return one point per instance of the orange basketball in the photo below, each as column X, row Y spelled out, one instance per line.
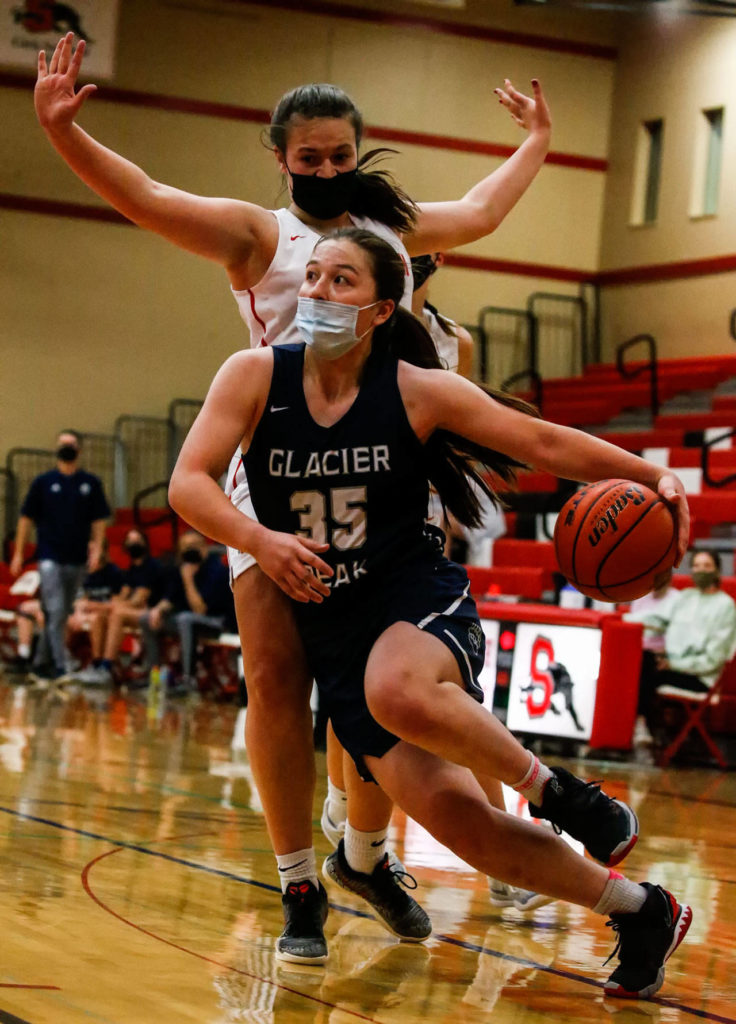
column 614, row 539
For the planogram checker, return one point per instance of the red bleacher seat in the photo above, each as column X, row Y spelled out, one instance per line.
column 517, row 581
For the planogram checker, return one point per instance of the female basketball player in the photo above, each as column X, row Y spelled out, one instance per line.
column 340, row 437
column 315, row 134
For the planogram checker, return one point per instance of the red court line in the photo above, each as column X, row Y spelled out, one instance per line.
column 200, row 956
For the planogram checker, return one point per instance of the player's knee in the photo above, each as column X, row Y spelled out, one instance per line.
column 398, row 702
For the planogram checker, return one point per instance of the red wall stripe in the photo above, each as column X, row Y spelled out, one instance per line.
column 232, row 112
column 605, row 278
column 452, row 28
column 667, row 271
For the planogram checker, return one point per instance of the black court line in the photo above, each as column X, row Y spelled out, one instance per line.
column 450, row 940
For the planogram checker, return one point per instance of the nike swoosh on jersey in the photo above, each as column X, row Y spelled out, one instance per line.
column 294, row 237
column 279, row 408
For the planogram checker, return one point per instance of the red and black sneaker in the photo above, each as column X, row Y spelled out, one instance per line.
column 305, row 911
column 646, row 940
column 607, row 828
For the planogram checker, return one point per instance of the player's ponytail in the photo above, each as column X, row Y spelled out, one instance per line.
column 457, row 468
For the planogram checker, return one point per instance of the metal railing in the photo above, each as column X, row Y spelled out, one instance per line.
column 145, row 516
column 104, row 455
column 147, row 447
column 182, row 413
column 650, row 367
column 561, row 329
column 705, row 450
column 9, row 504
column 535, row 380
column 508, row 340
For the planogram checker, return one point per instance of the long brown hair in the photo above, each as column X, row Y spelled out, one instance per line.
column 454, row 464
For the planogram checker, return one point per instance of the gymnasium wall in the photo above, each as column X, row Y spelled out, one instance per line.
column 102, row 318
column 676, row 277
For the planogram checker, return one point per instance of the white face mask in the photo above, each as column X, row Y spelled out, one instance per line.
column 328, row 328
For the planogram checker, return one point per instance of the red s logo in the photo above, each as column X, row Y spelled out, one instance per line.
column 540, row 677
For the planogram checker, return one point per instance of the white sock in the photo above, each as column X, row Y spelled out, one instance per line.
column 337, row 803
column 363, row 850
column 299, row 866
column 24, row 650
column 532, row 784
column 620, row 896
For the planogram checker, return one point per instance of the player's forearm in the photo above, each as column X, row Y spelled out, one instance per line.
column 496, row 195
column 575, row 455
column 198, row 499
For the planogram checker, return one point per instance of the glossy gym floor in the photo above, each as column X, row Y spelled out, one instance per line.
column 138, row 886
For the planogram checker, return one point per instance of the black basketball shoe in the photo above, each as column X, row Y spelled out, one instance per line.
column 305, row 911
column 646, row 940
column 607, row 828
column 398, row 911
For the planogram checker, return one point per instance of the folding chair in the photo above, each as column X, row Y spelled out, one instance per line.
column 695, row 705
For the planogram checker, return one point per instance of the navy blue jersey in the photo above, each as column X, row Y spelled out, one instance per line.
column 63, row 506
column 359, row 486
column 103, row 583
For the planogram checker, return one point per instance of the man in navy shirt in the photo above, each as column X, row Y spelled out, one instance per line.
column 197, row 597
column 69, row 509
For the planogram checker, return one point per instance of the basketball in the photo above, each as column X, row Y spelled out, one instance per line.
column 614, row 539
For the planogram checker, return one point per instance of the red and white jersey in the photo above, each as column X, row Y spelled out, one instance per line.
column 269, row 307
column 445, row 344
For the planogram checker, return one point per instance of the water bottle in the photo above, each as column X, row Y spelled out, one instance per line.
column 153, row 695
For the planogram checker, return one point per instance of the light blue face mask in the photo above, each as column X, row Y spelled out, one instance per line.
column 328, row 328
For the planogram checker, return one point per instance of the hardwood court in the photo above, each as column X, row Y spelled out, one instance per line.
column 137, row 886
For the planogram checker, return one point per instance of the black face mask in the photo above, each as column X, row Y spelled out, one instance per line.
column 67, row 453
column 191, row 555
column 422, row 267
column 136, row 550
column 324, row 198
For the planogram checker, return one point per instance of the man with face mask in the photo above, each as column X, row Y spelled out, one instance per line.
column 197, row 597
column 69, row 509
column 699, row 637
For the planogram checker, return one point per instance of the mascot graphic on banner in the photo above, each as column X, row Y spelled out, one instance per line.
column 548, row 678
column 45, row 16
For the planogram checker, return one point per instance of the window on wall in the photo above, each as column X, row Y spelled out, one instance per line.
column 647, row 172
column 707, row 170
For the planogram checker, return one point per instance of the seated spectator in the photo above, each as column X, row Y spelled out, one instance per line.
column 197, row 598
column 95, row 598
column 30, row 627
column 142, row 587
column 699, row 637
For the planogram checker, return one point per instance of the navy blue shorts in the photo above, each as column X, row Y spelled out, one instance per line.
column 434, row 597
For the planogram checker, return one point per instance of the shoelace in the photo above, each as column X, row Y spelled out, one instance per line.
column 616, row 926
column 402, row 877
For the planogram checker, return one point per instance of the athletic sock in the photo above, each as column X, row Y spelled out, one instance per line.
column 620, row 896
column 298, row 866
column 532, row 784
column 24, row 651
column 337, row 803
column 363, row 850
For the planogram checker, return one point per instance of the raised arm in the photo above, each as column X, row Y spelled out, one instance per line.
column 445, row 225
column 230, row 414
column 240, row 236
column 436, row 400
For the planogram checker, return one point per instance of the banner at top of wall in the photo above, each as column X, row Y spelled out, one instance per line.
column 27, row 26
